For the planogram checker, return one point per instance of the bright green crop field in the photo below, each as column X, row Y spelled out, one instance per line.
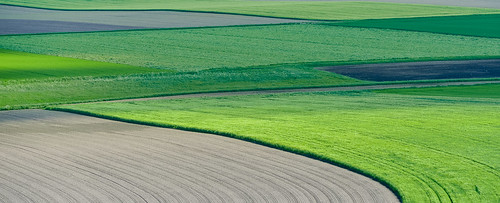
column 477, row 91
column 235, row 47
column 473, row 25
column 20, row 65
column 430, row 148
column 291, row 9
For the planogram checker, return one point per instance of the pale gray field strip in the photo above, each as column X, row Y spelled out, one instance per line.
column 77, row 21
column 463, row 3
column 48, row 156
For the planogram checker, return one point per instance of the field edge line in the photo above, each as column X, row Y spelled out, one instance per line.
column 304, row 153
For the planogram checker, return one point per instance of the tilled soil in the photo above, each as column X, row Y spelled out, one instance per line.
column 21, row 20
column 428, row 70
column 48, row 156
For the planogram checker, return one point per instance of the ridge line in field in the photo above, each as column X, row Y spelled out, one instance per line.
column 177, row 10
column 168, row 28
column 315, row 89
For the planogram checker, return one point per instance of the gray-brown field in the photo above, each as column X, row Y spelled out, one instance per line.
column 20, row 20
column 48, row 156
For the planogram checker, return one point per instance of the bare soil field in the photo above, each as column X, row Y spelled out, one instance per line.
column 48, row 156
column 21, row 20
column 428, row 70
column 463, row 3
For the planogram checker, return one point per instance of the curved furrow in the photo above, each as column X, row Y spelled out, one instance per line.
column 85, row 159
column 66, row 171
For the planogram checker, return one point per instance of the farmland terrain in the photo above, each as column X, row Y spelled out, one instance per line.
column 325, row 10
column 102, row 160
column 442, row 147
column 20, row 20
column 252, row 70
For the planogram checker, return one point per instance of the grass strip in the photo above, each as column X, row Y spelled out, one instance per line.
column 477, row 91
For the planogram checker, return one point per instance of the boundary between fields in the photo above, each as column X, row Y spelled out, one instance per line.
column 175, row 10
column 242, row 14
column 305, row 153
column 410, row 30
column 298, row 90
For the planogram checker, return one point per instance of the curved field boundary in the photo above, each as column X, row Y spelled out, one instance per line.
column 64, row 157
column 165, row 10
column 22, row 20
column 319, row 89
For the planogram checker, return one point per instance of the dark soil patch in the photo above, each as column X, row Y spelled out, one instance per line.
column 428, row 70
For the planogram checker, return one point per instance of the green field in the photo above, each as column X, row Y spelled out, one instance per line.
column 298, row 9
column 477, row 91
column 19, row 65
column 16, row 94
column 235, row 47
column 473, row 25
column 436, row 144
column 430, row 148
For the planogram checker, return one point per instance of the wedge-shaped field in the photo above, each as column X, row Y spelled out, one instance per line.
column 229, row 47
column 471, row 25
column 430, row 148
column 19, row 65
column 287, row 9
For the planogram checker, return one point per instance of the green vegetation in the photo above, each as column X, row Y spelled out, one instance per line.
column 15, row 94
column 432, row 149
column 20, row 65
column 234, row 47
column 290, row 9
column 473, row 25
column 477, row 91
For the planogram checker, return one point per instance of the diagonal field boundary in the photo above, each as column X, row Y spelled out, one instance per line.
column 320, row 89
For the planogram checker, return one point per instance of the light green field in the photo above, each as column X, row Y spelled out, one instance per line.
column 477, row 91
column 472, row 25
column 431, row 148
column 235, row 47
column 19, row 65
column 16, row 94
column 290, row 9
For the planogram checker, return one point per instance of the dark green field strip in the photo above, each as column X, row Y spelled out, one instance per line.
column 477, row 91
column 19, row 65
column 234, row 47
column 470, row 25
column 431, row 149
column 313, row 10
